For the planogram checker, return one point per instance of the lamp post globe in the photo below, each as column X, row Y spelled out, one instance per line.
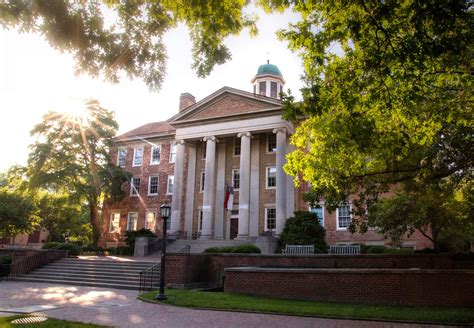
column 165, row 211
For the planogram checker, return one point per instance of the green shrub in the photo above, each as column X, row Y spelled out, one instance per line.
column 398, row 251
column 375, row 249
column 51, row 244
column 6, row 259
column 303, row 229
column 121, row 250
column 73, row 249
column 244, row 248
column 426, row 251
column 363, row 249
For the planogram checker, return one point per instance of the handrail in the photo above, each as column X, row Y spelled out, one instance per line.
column 150, row 277
column 32, row 262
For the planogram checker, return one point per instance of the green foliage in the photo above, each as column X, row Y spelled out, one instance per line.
column 74, row 250
column 52, row 244
column 304, row 229
column 240, row 249
column 18, row 214
column 375, row 250
column 133, row 43
column 121, row 250
column 6, row 259
column 388, row 96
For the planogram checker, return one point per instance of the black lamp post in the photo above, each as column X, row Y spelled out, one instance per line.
column 165, row 210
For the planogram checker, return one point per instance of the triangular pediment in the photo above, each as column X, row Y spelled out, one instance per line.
column 224, row 103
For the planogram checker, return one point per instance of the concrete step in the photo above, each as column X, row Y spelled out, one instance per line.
column 79, row 274
column 77, row 283
column 105, row 263
column 101, row 266
column 112, row 280
column 89, row 270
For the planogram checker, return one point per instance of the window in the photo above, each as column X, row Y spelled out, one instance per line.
column 169, row 189
column 271, row 177
column 236, row 179
column 135, row 187
column 236, row 147
column 114, row 222
column 203, row 180
column 271, row 142
column 150, row 220
column 200, row 218
column 343, row 216
column 155, row 155
column 137, row 156
column 172, row 153
column 273, row 89
column 121, row 157
column 132, row 221
column 270, row 219
column 153, row 185
column 319, row 211
column 262, row 88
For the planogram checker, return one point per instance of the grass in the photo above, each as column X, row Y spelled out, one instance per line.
column 5, row 322
column 237, row 302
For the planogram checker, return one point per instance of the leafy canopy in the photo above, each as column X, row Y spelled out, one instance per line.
column 303, row 229
column 388, row 95
column 17, row 214
column 111, row 37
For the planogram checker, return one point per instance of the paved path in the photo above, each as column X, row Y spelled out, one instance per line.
column 119, row 308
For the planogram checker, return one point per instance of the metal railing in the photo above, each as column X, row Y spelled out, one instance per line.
column 32, row 262
column 150, row 278
column 4, row 271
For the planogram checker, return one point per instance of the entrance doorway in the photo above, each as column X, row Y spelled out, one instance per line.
column 234, row 227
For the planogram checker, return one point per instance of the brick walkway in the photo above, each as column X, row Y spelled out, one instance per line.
column 119, row 308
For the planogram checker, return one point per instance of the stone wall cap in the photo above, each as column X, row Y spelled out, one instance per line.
column 347, row 270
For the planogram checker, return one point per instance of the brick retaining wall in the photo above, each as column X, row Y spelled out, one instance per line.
column 377, row 286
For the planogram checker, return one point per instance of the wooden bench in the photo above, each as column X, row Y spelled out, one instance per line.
column 298, row 250
column 344, row 249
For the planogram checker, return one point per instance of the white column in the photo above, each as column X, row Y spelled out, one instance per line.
column 254, row 188
column 190, row 183
column 177, row 188
column 280, row 180
column 244, row 189
column 219, row 214
column 290, row 190
column 209, row 187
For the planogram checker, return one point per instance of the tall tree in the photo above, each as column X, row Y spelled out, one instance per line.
column 109, row 37
column 72, row 156
column 388, row 95
column 17, row 214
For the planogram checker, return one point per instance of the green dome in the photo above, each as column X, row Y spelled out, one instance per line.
column 269, row 69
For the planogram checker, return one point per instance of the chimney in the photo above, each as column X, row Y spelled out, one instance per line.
column 186, row 100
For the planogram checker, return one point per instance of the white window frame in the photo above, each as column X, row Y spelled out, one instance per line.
column 337, row 216
column 128, row 221
column 322, row 211
column 273, row 151
column 202, row 181
column 172, row 158
column 111, row 223
column 233, row 180
column 200, row 220
column 125, row 156
column 133, row 187
column 266, row 218
column 135, row 150
column 266, row 178
column 151, row 155
column 157, row 185
column 237, row 144
column 146, row 220
column 170, row 177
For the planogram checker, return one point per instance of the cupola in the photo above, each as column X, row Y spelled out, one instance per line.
column 269, row 81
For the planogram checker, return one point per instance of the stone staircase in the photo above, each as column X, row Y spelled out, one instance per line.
column 198, row 246
column 92, row 273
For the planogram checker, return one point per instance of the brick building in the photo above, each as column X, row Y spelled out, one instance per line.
column 229, row 138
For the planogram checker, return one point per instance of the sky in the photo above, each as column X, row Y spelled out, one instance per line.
column 35, row 78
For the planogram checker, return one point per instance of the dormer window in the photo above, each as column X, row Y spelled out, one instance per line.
column 273, row 90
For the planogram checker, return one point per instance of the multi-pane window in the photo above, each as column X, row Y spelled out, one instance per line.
column 343, row 216
column 155, row 155
column 135, row 186
column 150, row 220
column 121, row 157
column 114, row 222
column 153, row 185
column 271, row 143
column 169, row 189
column 236, row 179
column 132, row 221
column 319, row 211
column 236, row 147
column 262, row 88
column 137, row 156
column 203, row 180
column 172, row 153
column 270, row 219
column 273, row 89
column 200, row 218
column 271, row 177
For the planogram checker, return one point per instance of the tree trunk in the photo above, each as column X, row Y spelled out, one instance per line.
column 94, row 222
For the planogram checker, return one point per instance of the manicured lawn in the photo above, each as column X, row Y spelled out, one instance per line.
column 5, row 322
column 234, row 302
